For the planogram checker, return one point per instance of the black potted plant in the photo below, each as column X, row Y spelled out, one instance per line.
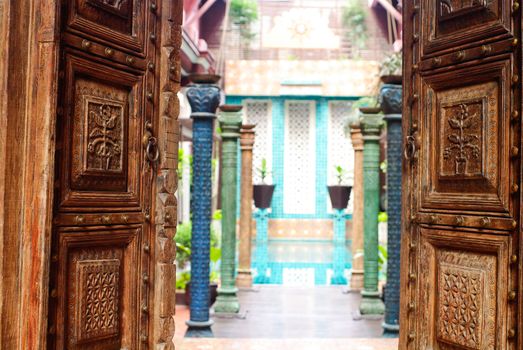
column 263, row 192
column 339, row 193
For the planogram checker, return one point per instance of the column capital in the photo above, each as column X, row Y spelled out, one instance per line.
column 391, row 98
column 247, row 136
column 356, row 136
column 204, row 95
column 371, row 122
column 230, row 120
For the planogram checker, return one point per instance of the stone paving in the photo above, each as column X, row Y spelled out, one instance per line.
column 287, row 318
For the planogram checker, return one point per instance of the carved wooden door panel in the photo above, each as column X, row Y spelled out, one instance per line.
column 105, row 156
column 462, row 107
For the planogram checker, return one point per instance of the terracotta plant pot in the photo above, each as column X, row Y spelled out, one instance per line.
column 263, row 196
column 392, row 79
column 339, row 196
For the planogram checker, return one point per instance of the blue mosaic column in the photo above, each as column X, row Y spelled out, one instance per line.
column 340, row 249
column 204, row 98
column 262, row 249
column 391, row 104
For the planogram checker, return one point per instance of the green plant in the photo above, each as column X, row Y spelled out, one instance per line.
column 392, row 64
column 263, row 170
column 341, row 174
column 182, row 279
column 183, row 161
column 243, row 13
column 382, row 258
column 183, row 252
column 354, row 21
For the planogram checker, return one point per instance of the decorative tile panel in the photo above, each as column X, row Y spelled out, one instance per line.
column 339, row 147
column 300, row 161
column 259, row 113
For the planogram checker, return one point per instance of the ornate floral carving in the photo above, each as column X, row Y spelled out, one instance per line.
column 105, row 136
column 99, row 141
column 462, row 147
column 99, row 282
column 460, row 305
column 453, row 8
column 117, row 7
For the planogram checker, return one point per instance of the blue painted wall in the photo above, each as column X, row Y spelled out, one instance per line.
column 278, row 130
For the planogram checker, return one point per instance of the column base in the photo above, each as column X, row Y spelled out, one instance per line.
column 356, row 280
column 371, row 304
column 244, row 279
column 199, row 329
column 390, row 330
column 227, row 301
column 338, row 280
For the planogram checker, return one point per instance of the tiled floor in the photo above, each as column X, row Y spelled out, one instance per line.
column 285, row 318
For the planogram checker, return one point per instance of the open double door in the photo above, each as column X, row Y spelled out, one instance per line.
column 108, row 236
column 461, row 255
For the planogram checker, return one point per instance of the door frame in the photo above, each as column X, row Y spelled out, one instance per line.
column 28, row 96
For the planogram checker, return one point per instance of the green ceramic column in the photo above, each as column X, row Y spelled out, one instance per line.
column 371, row 123
column 230, row 123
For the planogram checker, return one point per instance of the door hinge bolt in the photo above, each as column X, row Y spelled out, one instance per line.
column 145, row 278
column 86, row 44
column 411, row 306
column 54, row 293
column 515, row 42
column 514, row 259
column 512, row 333
column 515, row 115
column 412, row 277
column 512, row 295
column 515, row 6
column 515, row 79
column 154, row 7
column 514, row 188
column 460, row 220
column 485, row 50
column 145, row 308
column 484, row 222
column 150, row 66
column 412, row 336
column 143, row 338
column 108, row 51
column 514, row 151
column 147, row 248
column 412, row 245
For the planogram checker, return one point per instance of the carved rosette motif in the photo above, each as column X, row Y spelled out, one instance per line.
column 93, row 302
column 99, row 282
column 460, row 305
column 464, row 298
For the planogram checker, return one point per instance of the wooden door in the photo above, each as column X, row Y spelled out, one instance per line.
column 100, row 292
column 462, row 177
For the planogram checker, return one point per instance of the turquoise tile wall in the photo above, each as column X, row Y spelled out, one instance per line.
column 278, row 127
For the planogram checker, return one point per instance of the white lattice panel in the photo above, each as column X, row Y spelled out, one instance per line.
column 300, row 158
column 339, row 145
column 298, row 277
column 259, row 113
